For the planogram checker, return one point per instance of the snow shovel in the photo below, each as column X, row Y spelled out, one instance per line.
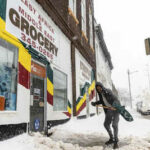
column 121, row 110
column 124, row 113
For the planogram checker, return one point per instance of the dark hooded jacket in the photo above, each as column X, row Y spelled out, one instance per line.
column 107, row 93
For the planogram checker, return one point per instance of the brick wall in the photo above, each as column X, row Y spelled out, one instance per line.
column 62, row 7
column 58, row 11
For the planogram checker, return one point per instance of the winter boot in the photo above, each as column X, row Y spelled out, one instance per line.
column 110, row 141
column 115, row 145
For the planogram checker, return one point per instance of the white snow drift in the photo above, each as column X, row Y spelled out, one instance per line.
column 87, row 134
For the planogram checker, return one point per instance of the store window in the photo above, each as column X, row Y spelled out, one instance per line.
column 8, row 75
column 60, row 91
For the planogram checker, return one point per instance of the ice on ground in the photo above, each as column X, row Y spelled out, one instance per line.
column 39, row 142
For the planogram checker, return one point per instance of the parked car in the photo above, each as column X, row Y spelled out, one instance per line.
column 145, row 112
column 139, row 107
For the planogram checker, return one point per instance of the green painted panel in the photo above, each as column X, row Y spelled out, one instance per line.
column 3, row 9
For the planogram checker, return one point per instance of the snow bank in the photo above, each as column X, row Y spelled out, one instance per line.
column 87, row 134
column 39, row 142
column 139, row 127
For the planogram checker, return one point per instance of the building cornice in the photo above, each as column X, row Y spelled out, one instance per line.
column 102, row 43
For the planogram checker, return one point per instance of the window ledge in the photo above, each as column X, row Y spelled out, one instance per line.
column 60, row 111
column 83, row 34
column 74, row 17
column 8, row 112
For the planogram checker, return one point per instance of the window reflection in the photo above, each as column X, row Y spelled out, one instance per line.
column 60, row 91
column 8, row 75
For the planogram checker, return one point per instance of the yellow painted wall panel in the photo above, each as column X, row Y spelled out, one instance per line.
column 50, row 87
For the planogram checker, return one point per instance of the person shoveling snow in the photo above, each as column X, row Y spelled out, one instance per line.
column 112, row 109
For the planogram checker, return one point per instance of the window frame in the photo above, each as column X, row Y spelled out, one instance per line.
column 65, row 110
column 73, row 7
column 83, row 16
column 91, row 27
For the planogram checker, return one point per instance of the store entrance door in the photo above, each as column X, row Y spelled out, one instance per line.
column 38, row 74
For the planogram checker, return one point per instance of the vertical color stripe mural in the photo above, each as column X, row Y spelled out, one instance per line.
column 81, row 101
column 50, row 86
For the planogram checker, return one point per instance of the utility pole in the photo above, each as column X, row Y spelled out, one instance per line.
column 129, row 73
column 148, row 78
column 129, row 87
column 147, row 70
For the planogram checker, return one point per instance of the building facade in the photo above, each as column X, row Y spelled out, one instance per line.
column 103, row 59
column 47, row 65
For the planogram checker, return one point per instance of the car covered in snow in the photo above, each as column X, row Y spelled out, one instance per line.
column 147, row 112
column 143, row 109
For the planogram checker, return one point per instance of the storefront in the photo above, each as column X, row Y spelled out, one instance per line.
column 35, row 68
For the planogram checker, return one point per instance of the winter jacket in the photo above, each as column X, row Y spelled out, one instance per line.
column 107, row 93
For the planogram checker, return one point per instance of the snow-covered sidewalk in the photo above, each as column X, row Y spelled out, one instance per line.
column 86, row 134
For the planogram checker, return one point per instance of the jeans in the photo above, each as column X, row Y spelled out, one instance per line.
column 112, row 117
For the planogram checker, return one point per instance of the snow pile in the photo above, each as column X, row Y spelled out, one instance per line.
column 90, row 132
column 134, row 143
column 139, row 127
column 86, row 134
column 39, row 142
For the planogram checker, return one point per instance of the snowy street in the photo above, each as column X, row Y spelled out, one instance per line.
column 86, row 134
column 68, row 69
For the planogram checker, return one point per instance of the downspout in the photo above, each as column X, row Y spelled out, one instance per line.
column 45, row 103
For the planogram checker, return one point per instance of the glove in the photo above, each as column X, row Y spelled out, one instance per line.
column 93, row 104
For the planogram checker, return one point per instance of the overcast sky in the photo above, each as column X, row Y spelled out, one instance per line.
column 125, row 24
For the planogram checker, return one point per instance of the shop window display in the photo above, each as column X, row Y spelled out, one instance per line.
column 8, row 76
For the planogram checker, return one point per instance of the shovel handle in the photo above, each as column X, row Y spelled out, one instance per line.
column 106, row 107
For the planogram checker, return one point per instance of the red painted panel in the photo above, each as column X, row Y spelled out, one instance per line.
column 81, row 108
column 49, row 98
column 68, row 114
column 93, row 92
column 24, row 77
column 92, row 95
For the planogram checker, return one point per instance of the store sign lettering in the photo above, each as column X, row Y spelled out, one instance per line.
column 38, row 70
column 86, row 73
column 31, row 31
column 31, row 27
column 27, row 3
